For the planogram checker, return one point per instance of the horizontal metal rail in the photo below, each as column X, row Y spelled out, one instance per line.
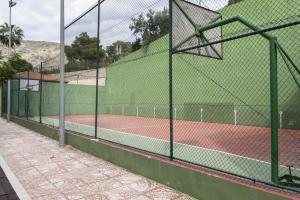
column 240, row 36
column 82, row 15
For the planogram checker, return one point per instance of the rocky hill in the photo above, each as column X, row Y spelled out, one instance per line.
column 36, row 51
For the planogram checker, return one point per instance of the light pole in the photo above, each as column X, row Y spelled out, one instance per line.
column 11, row 4
column 62, row 74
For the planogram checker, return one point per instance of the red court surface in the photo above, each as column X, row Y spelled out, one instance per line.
column 247, row 141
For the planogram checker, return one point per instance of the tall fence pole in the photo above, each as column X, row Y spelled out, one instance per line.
column 2, row 100
column 41, row 90
column 97, row 72
column 9, row 54
column 274, row 111
column 19, row 88
column 62, row 74
column 8, row 100
column 25, row 100
column 171, row 78
column 27, row 96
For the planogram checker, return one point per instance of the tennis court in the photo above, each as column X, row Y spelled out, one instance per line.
column 243, row 150
column 218, row 86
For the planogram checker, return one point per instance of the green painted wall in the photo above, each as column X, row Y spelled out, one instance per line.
column 240, row 81
column 79, row 99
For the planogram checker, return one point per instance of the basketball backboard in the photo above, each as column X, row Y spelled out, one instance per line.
column 32, row 86
column 187, row 18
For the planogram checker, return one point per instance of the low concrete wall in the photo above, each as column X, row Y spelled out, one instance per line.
column 194, row 183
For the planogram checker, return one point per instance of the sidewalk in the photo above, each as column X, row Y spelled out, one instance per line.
column 47, row 171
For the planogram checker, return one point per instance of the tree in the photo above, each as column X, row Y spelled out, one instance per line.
column 117, row 50
column 161, row 18
column 150, row 27
column 18, row 63
column 82, row 54
column 234, row 1
column 136, row 45
column 16, row 37
column 15, row 63
column 6, row 71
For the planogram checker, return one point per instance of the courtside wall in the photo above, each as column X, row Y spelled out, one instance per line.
column 139, row 83
column 238, row 82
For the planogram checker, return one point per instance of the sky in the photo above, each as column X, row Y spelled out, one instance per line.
column 40, row 18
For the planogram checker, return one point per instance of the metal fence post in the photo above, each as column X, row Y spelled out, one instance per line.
column 171, row 79
column 8, row 100
column 41, row 90
column 274, row 111
column 62, row 75
column 27, row 96
column 2, row 99
column 97, row 71
column 19, row 88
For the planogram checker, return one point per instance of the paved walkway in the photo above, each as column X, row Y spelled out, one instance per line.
column 47, row 171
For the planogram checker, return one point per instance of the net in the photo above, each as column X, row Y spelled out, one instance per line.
column 215, row 113
column 187, row 17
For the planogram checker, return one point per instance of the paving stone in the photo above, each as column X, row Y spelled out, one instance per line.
column 48, row 171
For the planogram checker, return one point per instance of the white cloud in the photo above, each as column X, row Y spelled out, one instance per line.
column 40, row 19
column 115, row 19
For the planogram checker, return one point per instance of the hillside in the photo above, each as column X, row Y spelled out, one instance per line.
column 36, row 51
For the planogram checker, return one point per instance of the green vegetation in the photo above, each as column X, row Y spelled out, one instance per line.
column 118, row 50
column 82, row 53
column 18, row 63
column 14, row 63
column 150, row 27
column 16, row 37
column 6, row 71
column 234, row 1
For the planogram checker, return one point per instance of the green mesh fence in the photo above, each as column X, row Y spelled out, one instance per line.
column 3, row 99
column 218, row 87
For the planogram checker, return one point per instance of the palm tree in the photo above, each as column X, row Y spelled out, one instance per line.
column 16, row 37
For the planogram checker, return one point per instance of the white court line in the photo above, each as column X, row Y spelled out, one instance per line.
column 188, row 145
column 138, row 127
column 20, row 191
column 197, row 147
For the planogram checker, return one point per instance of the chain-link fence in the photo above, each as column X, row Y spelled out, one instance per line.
column 218, row 87
column 239, row 97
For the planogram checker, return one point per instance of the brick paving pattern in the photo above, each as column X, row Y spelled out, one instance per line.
column 48, row 171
